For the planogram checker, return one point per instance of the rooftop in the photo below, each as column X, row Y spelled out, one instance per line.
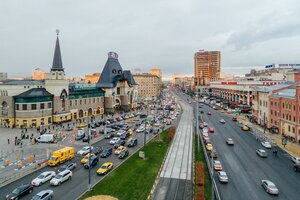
column 35, row 92
column 273, row 87
column 22, row 82
column 286, row 93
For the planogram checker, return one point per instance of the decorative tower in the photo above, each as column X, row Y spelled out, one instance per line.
column 57, row 71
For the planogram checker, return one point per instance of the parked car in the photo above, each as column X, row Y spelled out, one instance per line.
column 87, row 138
column 106, row 152
column 43, row 178
column 295, row 159
column 217, row 165
column 84, row 150
column 105, row 168
column 209, row 147
column 234, row 119
column 209, row 113
column 270, row 187
column 222, row 176
column 297, row 167
column 43, row 195
column 61, row 177
column 20, row 192
column 262, row 153
column 267, row 145
column 93, row 162
column 230, row 141
column 213, row 154
column 133, row 142
column 123, row 154
column 69, row 166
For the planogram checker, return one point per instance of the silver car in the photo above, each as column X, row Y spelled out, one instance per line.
column 43, row 195
column 262, row 153
column 270, row 187
column 223, row 178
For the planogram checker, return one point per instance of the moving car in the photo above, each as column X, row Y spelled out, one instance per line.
column 93, row 162
column 108, row 135
column 213, row 154
column 120, row 143
column 222, row 121
column 217, row 165
column 85, row 150
column 209, row 113
column 69, row 166
column 222, row 176
column 230, row 141
column 209, row 147
column 61, row 177
column 119, row 150
column 85, row 159
column 295, row 159
column 234, row 119
column 120, row 132
column 105, row 168
column 267, row 145
column 43, row 195
column 43, row 178
column 262, row 153
column 124, row 136
column 133, row 142
column 106, row 152
column 245, row 128
column 62, row 155
column 270, row 187
column 207, row 140
column 97, row 150
column 211, row 130
column 123, row 154
column 114, row 140
column 297, row 167
column 20, row 192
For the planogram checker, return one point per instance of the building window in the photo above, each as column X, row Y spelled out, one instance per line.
column 84, row 101
column 71, row 103
column 271, row 112
column 118, row 90
column 271, row 120
column 17, row 106
column 80, row 102
column 33, row 106
column 283, row 115
column 24, row 107
column 49, row 105
column 49, row 120
column 282, row 105
column 89, row 100
column 290, row 117
column 294, row 107
column 275, row 113
column 289, row 128
column 94, row 100
column 75, row 102
column 42, row 106
column 293, row 129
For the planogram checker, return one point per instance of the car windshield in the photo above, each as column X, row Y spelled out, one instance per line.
column 58, row 176
column 103, row 167
column 272, row 186
column 17, row 191
column 41, row 176
column 36, row 197
column 53, row 158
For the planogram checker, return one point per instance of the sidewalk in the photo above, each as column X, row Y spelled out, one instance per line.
column 292, row 148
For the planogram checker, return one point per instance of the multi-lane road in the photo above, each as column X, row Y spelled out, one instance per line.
column 79, row 182
column 244, row 168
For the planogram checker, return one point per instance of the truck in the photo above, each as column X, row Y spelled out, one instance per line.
column 61, row 155
column 46, row 138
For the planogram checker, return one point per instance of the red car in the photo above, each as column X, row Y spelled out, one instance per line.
column 209, row 113
column 234, row 119
column 211, row 130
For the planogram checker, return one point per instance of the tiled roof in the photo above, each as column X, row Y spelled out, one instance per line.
column 128, row 76
column 35, row 92
column 22, row 82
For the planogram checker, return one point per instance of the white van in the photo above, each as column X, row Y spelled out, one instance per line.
column 46, row 138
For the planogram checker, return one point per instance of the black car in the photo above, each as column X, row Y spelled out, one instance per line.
column 133, row 142
column 120, row 143
column 79, row 137
column 20, row 191
column 106, row 152
column 124, row 136
column 124, row 154
column 93, row 160
column 69, row 166
column 97, row 150
column 297, row 167
column 149, row 130
column 93, row 126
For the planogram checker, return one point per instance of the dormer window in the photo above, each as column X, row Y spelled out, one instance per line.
column 120, row 72
column 114, row 71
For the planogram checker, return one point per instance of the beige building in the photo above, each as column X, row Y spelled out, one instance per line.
column 3, row 76
column 207, row 66
column 92, row 78
column 37, row 74
column 148, row 84
column 155, row 71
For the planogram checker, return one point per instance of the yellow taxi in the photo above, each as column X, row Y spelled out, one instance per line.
column 120, row 149
column 81, row 125
column 130, row 121
column 245, row 128
column 85, row 159
column 105, row 168
column 209, row 147
column 222, row 111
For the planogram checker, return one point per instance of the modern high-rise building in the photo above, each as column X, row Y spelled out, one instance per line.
column 207, row 66
column 148, row 85
column 155, row 71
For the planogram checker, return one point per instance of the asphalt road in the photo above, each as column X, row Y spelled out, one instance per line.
column 244, row 168
column 79, row 182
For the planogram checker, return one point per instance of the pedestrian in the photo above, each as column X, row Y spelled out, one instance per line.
column 8, row 141
column 25, row 130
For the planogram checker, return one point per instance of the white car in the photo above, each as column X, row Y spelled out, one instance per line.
column 120, row 133
column 114, row 140
column 140, row 129
column 204, row 124
column 43, row 195
column 157, row 124
column 295, row 160
column 267, row 145
column 222, row 121
column 270, row 187
column 223, row 178
column 205, row 134
column 85, row 150
column 61, row 177
column 43, row 178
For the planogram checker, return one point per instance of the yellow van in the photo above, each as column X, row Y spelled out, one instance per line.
column 61, row 155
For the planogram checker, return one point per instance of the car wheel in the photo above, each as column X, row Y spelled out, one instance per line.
column 69, row 177
column 59, row 183
column 50, row 197
column 40, row 183
column 16, row 198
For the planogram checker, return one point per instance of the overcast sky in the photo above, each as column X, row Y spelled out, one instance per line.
column 162, row 33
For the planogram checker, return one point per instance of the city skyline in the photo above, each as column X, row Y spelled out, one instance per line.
column 144, row 39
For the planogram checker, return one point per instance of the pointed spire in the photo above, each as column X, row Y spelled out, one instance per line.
column 57, row 62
